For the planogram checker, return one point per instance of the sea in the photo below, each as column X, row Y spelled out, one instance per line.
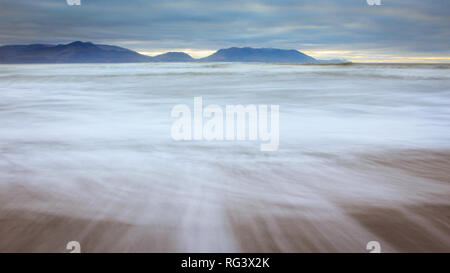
column 87, row 155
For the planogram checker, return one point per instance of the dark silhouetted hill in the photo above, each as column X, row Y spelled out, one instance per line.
column 266, row 55
column 173, row 57
column 76, row 52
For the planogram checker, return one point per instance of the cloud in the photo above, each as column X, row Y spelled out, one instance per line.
column 408, row 27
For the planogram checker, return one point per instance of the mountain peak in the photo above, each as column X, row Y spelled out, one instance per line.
column 80, row 43
column 249, row 54
column 173, row 57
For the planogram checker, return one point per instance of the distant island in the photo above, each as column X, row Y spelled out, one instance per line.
column 87, row 52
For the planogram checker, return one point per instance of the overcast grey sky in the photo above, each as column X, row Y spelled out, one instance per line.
column 402, row 29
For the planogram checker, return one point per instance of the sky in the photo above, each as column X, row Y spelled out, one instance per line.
column 395, row 31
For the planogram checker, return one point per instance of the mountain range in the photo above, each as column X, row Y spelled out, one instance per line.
column 76, row 52
column 87, row 52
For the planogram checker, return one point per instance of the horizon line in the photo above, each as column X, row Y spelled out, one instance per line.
column 353, row 56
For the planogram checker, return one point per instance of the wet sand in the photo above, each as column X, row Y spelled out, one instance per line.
column 417, row 228
column 27, row 231
column 284, row 211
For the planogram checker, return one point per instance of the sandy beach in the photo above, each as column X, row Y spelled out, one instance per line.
column 32, row 220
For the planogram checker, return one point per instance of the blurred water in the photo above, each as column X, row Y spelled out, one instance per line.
column 92, row 142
